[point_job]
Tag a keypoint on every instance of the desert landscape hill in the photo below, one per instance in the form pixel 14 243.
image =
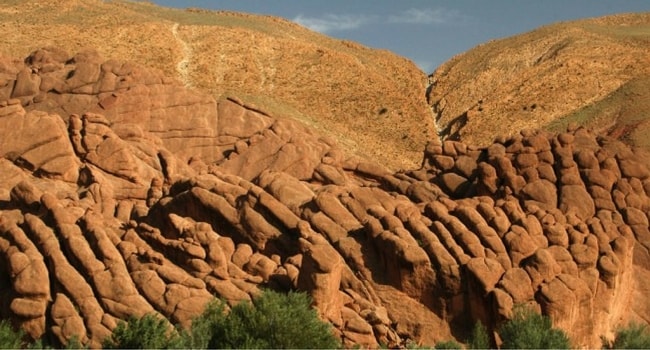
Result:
pixel 130 184
pixel 358 95
pixel 592 72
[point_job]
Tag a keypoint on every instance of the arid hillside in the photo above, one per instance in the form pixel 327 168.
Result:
pixel 593 72
pixel 371 100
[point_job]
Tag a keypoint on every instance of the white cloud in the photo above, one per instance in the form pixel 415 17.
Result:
pixel 426 16
pixel 333 22
pixel 340 22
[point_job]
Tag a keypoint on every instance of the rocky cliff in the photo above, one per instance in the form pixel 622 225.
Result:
pixel 592 72
pixel 372 101
pixel 122 193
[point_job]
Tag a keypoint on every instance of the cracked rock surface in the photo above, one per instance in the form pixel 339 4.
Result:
pixel 124 193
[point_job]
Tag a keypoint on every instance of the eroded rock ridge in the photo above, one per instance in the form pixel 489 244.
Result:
pixel 124 193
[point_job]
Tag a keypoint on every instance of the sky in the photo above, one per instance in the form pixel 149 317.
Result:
pixel 428 32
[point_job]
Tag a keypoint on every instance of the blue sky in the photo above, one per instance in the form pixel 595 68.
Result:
pixel 426 31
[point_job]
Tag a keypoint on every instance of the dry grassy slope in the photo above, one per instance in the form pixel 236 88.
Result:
pixel 371 100
pixel 539 78
pixel 624 114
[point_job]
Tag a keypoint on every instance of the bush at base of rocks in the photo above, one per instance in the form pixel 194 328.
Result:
pixel 147 332
pixel 16 339
pixel 273 320
pixel 10 338
pixel 449 344
pixel 634 336
pixel 479 338
pixel 530 330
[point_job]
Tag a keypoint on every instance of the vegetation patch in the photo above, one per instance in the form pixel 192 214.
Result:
pixel 633 336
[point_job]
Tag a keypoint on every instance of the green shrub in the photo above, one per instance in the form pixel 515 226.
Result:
pixel 10 338
pixel 75 343
pixel 530 330
pixel 147 332
pixel 634 336
pixel 448 345
pixel 275 320
pixel 479 338
pixel 411 345
pixel 204 326
pixel 39 344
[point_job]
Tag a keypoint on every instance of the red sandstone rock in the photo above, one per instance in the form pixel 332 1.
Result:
pixel 154 198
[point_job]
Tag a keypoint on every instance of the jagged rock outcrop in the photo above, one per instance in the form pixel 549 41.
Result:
pixel 121 219
pixel 541 220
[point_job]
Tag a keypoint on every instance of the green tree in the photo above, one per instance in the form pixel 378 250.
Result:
pixel 10 338
pixel 147 332
pixel 479 338
pixel 634 336
pixel 530 330
pixel 273 321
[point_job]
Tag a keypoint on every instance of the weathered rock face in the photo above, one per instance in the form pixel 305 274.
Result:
pixel 140 202
pixel 542 220
pixel 354 93
pixel 134 103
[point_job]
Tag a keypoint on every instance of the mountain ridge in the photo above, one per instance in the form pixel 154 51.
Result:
pixel 537 78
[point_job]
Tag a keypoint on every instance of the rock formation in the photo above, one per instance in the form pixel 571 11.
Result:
pixel 124 193
pixel 353 93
